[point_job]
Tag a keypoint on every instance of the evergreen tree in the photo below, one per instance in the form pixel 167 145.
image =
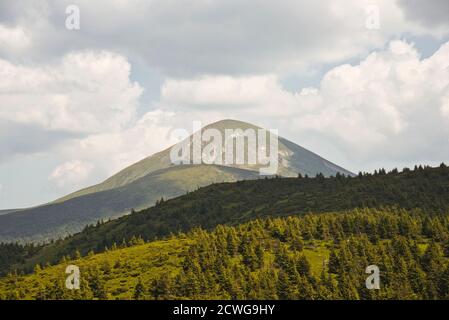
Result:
pixel 139 290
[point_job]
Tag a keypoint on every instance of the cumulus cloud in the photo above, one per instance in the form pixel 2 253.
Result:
pixel 222 91
pixel 219 36
pixel 110 152
pixel 49 108
pixel 85 92
pixel 14 38
pixel 71 173
pixel 392 105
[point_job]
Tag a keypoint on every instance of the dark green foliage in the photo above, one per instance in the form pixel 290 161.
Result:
pixel 260 259
pixel 13 254
pixel 139 290
pixel 212 271
pixel 234 203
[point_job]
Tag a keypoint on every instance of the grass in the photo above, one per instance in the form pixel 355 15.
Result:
pixel 122 268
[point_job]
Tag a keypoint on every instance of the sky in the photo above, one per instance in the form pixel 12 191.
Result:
pixel 365 84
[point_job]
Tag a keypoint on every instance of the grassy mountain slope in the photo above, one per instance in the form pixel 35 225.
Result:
pixel 297 257
pixel 238 202
pixel 61 219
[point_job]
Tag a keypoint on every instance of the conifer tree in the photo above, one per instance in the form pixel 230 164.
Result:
pixel 139 290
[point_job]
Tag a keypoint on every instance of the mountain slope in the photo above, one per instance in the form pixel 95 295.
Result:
pixel 64 218
pixel 2 212
pixel 143 183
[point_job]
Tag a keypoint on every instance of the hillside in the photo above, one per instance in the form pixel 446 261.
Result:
pixel 239 202
pixel 61 219
pixel 143 183
pixel 297 257
pixel 7 211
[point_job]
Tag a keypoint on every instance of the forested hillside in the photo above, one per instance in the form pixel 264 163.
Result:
pixel 298 257
pixel 234 203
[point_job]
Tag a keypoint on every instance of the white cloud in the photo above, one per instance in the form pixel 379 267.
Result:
pixel 84 102
pixel 110 152
pixel 445 105
pixel 217 91
pixel 86 92
pixel 14 38
pixel 221 36
pixel 392 105
pixel 72 173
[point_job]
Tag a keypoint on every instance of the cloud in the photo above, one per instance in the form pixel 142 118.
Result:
pixel 110 152
pixel 218 36
pixel 25 139
pixel 45 106
pixel 14 38
pixel 221 91
pixel 391 106
pixel 80 98
pixel 429 13
pixel 71 173
pixel 85 92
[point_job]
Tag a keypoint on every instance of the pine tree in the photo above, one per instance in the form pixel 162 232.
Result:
pixel 139 290
pixel 97 285
pixel 334 262
pixel 77 255
pixel 303 266
pixel 161 288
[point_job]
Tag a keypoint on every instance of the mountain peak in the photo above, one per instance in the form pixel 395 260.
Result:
pixel 293 159
pixel 230 124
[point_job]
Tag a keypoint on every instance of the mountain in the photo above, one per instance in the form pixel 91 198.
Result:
pixel 143 183
pixel 7 211
pixel 293 159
